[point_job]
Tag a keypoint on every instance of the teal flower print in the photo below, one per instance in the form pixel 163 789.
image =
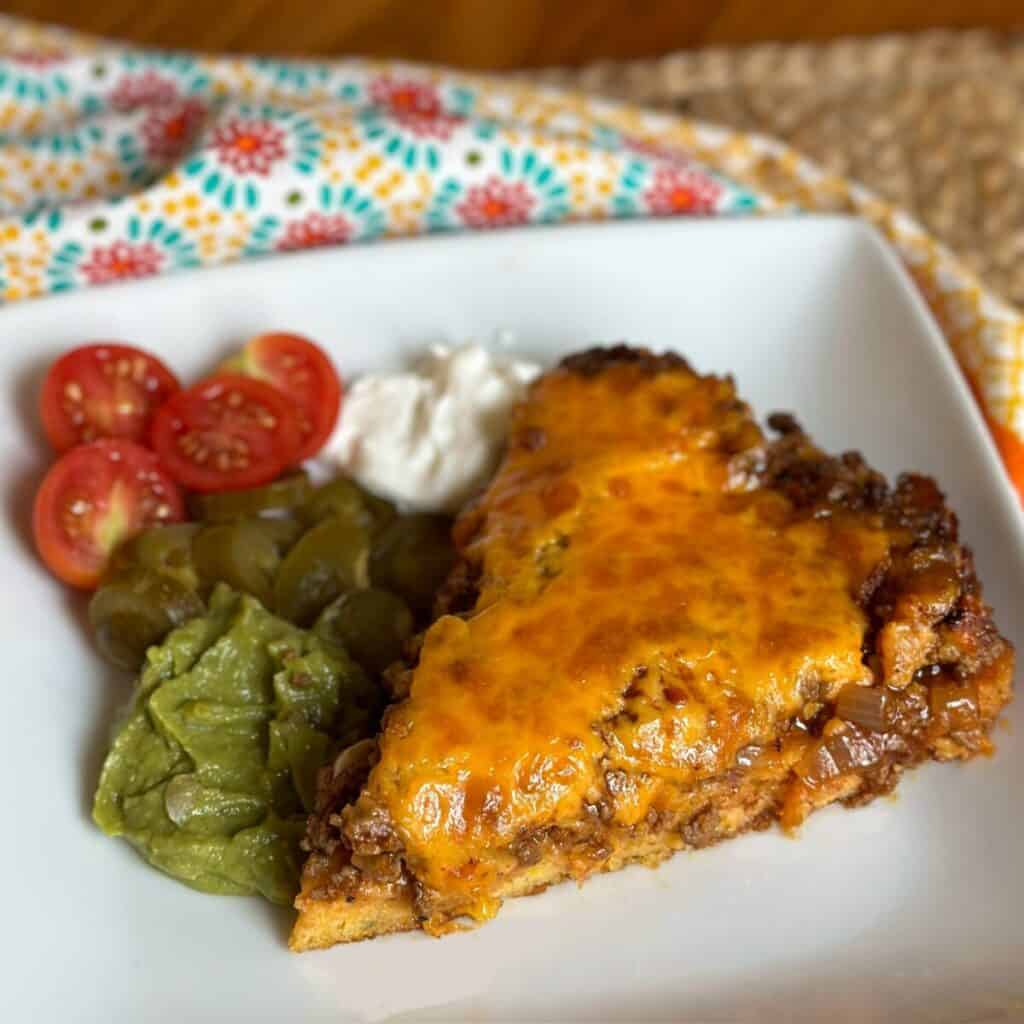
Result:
pixel 166 132
pixel 35 76
pixel 527 190
pixel 188 74
pixel 668 182
pixel 43 214
pixel 627 198
pixel 299 77
pixel 147 248
pixel 250 146
pixel 408 120
pixel 341 214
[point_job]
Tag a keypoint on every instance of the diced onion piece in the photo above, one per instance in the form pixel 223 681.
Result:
pixel 356 757
pixel 845 750
pixel 955 702
pixel 863 705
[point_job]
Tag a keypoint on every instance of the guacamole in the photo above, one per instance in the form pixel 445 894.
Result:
pixel 212 773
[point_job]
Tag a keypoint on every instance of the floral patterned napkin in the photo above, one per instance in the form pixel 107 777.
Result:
pixel 119 163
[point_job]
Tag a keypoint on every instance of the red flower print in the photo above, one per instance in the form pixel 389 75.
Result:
pixel 167 131
pixel 678 190
pixel 415 106
pixel 496 204
pixel 315 229
pixel 249 147
pixel 146 90
pixel 37 58
pixel 121 260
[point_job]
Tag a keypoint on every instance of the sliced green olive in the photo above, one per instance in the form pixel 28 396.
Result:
pixel 166 549
pixel 284 531
pixel 330 560
pixel 372 625
pixel 240 554
pixel 136 609
pixel 412 558
pixel 345 499
pixel 226 506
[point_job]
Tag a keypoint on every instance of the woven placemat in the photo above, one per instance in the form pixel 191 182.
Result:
pixel 933 122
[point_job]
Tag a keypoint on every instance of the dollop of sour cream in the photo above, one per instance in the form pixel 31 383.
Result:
pixel 430 437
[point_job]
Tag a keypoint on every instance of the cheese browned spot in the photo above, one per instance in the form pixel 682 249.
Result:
pixel 663 610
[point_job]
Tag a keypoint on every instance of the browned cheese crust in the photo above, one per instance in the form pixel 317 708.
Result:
pixel 928 675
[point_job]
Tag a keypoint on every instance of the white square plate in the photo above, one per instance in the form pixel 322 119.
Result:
pixel 909 909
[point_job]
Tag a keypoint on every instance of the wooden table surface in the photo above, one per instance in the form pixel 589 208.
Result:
pixel 502 33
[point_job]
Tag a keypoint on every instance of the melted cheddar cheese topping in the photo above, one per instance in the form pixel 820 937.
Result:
pixel 641 618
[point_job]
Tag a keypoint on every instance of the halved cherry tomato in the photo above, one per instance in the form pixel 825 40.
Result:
pixel 93 498
pixel 226 433
pixel 300 370
pixel 103 390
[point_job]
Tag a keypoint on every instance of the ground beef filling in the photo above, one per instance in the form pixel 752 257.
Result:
pixel 936 655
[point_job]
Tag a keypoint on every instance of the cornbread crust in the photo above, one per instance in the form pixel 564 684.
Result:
pixel 645 648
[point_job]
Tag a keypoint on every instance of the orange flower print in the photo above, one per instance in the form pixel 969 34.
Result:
pixel 315 229
pixel 681 190
pixel 416 106
pixel 167 131
pixel 496 204
pixel 121 260
pixel 249 146
pixel 146 90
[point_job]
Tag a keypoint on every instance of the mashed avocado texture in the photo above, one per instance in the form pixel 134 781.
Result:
pixel 212 773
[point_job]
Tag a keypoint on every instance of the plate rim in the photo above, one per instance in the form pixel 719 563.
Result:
pixel 860 232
